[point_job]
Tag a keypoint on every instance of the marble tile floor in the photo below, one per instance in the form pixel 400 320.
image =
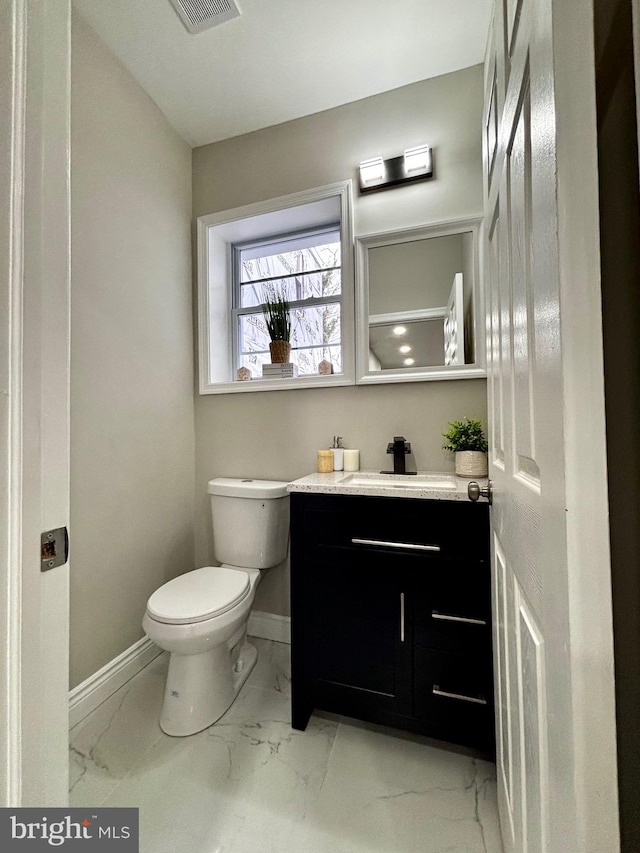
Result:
pixel 251 784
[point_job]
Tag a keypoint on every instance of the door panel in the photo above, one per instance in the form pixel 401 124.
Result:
pixel 522 297
pixel 540 736
pixel 494 354
pixel 511 769
pixel 503 700
pixel 491 122
pixel 532 688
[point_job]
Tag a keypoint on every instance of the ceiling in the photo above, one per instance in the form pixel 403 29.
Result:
pixel 425 339
pixel 283 59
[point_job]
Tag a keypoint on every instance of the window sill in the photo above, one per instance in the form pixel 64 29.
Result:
pixel 298 382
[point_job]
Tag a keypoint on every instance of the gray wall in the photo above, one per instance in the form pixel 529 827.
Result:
pixel 131 359
pixel 409 276
pixel 276 434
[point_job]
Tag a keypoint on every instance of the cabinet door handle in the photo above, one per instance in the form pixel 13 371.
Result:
pixel 402 617
pixel 382 544
pixel 478 700
pixel 446 618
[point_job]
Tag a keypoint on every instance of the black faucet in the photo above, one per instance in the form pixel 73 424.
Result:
pixel 399 447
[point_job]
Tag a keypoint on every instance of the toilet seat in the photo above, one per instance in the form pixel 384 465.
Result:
pixel 199 595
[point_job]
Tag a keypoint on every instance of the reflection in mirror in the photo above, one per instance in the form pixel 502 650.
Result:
pixel 414 284
pixel 422 344
pixel 417 303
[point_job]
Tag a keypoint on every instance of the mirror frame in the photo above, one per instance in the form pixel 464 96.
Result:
pixel 364 376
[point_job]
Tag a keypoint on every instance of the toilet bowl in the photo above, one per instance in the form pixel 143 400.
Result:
pixel 201 617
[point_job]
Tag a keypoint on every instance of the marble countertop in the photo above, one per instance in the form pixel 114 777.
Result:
pixel 427 485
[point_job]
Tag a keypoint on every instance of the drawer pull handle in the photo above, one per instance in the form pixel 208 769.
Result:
pixel 446 618
pixel 402 617
pixel 380 543
pixel 475 699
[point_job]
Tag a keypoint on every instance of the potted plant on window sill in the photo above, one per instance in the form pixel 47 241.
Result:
pixel 466 439
pixel 277 316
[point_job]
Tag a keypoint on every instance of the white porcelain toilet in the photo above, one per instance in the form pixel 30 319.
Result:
pixel 201 616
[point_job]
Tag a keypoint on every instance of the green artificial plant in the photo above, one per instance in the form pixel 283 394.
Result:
pixel 277 316
pixel 466 434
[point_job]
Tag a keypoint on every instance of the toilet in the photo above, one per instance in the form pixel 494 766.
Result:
pixel 201 617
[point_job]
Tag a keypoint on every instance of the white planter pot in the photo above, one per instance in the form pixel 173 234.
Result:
pixel 471 463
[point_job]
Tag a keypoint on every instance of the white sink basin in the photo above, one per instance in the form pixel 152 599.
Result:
pixel 403 481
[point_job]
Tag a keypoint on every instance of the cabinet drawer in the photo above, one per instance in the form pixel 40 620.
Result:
pixel 391 525
pixel 452 606
pixel 451 632
pixel 454 694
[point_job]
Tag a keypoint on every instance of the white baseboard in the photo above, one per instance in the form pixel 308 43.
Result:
pixel 269 626
pixel 86 697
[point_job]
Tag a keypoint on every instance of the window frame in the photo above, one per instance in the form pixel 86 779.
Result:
pixel 237 284
pixel 217 234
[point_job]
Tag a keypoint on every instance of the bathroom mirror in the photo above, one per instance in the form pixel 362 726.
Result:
pixel 419 304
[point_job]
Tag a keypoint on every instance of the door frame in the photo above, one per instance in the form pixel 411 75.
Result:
pixel 586 485
pixel 35 284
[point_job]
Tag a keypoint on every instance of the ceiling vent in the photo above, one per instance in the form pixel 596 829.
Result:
pixel 199 15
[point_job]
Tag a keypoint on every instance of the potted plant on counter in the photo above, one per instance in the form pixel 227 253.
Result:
pixel 277 316
pixel 466 439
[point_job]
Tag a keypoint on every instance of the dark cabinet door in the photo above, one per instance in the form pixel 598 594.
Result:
pixel 359 637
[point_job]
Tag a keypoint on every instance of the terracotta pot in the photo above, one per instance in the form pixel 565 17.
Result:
pixel 471 463
pixel 280 352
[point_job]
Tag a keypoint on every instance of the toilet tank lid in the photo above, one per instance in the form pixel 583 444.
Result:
pixel 248 488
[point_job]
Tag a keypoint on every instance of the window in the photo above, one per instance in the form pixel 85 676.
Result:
pixel 305 270
pixel 300 247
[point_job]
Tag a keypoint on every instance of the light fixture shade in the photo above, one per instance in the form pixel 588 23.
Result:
pixel 417 160
pixel 371 171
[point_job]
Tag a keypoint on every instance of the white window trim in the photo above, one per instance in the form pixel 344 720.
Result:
pixel 214 314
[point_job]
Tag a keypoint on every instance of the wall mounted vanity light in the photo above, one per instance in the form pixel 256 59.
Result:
pixel 416 164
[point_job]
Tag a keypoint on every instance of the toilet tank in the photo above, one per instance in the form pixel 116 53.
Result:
pixel 250 521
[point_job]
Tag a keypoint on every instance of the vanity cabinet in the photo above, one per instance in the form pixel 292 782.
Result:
pixel 391 614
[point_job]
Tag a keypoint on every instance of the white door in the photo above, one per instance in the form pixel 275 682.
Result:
pixel 34 397
pixel 454 323
pixel 552 598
